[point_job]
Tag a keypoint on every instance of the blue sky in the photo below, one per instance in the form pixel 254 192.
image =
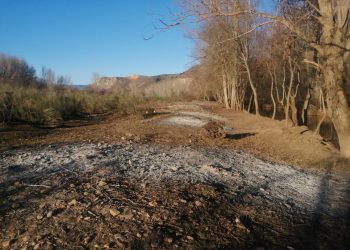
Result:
pixel 79 37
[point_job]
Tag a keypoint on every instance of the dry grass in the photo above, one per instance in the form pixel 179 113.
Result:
pixel 51 106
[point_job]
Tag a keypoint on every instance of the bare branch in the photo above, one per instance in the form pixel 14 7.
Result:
pixel 247 32
pixel 312 63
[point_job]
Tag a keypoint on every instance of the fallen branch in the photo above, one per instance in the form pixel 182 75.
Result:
pixel 33 185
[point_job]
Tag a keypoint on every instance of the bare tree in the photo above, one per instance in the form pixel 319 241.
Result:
pixel 48 76
pixel 16 71
pixel 331 42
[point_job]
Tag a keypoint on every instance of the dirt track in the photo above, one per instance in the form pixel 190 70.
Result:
pixel 141 196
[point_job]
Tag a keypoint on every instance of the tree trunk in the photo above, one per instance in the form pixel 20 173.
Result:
pixel 294 111
pixel 250 103
pixel 224 86
pixel 234 95
pixel 338 108
pixel 334 44
pixel 252 86
pixel 305 107
pixel 273 97
pixel 288 99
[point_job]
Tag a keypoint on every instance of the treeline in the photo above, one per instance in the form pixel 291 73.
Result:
pixel 18 72
pixel 288 62
pixel 49 100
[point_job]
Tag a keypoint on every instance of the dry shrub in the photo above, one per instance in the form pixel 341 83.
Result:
pixel 51 106
pixel 214 129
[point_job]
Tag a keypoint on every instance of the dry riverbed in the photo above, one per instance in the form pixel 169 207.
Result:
pixel 143 194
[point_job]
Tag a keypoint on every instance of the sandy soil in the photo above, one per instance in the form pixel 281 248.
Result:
pixel 133 183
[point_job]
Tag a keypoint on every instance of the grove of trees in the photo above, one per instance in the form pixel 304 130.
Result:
pixel 297 57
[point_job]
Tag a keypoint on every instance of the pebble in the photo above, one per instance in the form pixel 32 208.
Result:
pixel 6 244
pixel 102 183
pixel 39 217
pixel 114 212
pixel 152 203
pixel 198 203
pixel 73 202
pixel 168 240
pixel 189 237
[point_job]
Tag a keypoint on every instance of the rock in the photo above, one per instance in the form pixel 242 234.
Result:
pixel 127 214
pixel 39 217
pixel 169 240
pixel 102 183
pixel 145 215
pixel 198 203
pixel 88 239
pixel 6 244
pixel 189 237
pixel 73 202
pixel 114 212
pixel 49 214
pixel 138 235
pixel 183 201
pixel 25 238
pixel 120 238
pixel 72 185
pixel 152 203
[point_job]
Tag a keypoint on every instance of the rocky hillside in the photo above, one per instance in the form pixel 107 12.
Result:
pixel 160 85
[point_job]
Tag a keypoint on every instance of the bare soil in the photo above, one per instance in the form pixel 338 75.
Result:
pixel 160 183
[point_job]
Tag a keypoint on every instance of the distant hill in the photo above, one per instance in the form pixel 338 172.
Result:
pixel 161 85
pixel 79 86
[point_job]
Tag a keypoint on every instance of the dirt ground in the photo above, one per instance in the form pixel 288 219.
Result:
pixel 260 136
pixel 159 181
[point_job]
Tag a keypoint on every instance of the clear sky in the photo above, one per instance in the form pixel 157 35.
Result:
pixel 80 37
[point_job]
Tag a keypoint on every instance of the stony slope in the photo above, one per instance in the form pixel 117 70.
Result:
pixel 161 85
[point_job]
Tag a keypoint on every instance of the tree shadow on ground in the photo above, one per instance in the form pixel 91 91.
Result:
pixel 239 136
pixel 330 223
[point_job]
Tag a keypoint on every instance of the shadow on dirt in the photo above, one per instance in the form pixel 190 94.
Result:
pixel 239 136
pixel 330 223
